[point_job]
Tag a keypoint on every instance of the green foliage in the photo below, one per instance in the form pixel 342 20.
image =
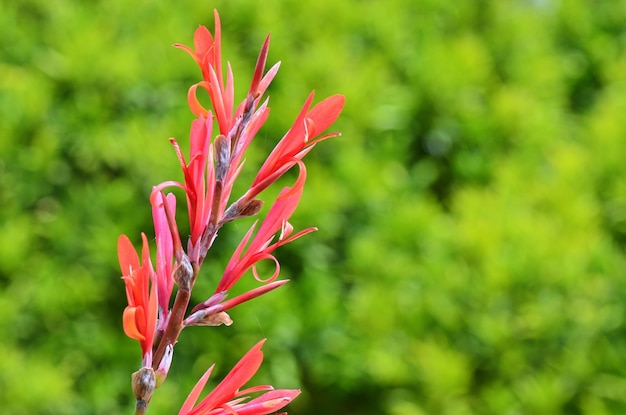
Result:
pixel 472 216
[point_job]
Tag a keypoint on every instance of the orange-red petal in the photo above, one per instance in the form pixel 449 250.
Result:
pixel 129 319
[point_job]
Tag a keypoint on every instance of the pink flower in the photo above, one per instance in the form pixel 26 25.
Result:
pixel 238 128
pixel 228 399
pixel 214 165
pixel 199 185
pixel 164 249
pixel 207 55
pixel 298 141
pixel 140 316
pixel 261 248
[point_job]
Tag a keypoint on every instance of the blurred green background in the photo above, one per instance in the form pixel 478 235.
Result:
pixel 470 258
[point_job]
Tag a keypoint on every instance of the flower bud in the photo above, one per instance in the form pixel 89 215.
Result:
pixel 216 320
pixel 164 366
pixel 251 208
pixel 207 317
pixel 183 274
pixel 236 211
pixel 144 382
pixel 222 155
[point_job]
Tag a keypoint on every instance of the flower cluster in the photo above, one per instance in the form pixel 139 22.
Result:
pixel 209 173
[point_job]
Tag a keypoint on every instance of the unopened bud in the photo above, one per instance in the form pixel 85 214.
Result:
pixel 249 209
pixel 222 153
pixel 164 366
pixel 144 382
pixel 183 274
pixel 206 318
pixel 217 320
pixel 248 108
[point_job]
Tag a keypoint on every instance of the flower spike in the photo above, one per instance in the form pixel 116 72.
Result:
pixel 219 138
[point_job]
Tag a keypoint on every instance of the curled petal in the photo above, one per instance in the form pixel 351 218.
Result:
pixel 194 104
pixel 188 50
pixel 129 320
pixel 276 269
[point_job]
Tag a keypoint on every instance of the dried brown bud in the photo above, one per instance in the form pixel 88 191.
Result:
pixel 222 155
pixel 183 274
pixel 144 382
pixel 200 318
pixel 251 208
pixel 217 320
pixel 235 211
